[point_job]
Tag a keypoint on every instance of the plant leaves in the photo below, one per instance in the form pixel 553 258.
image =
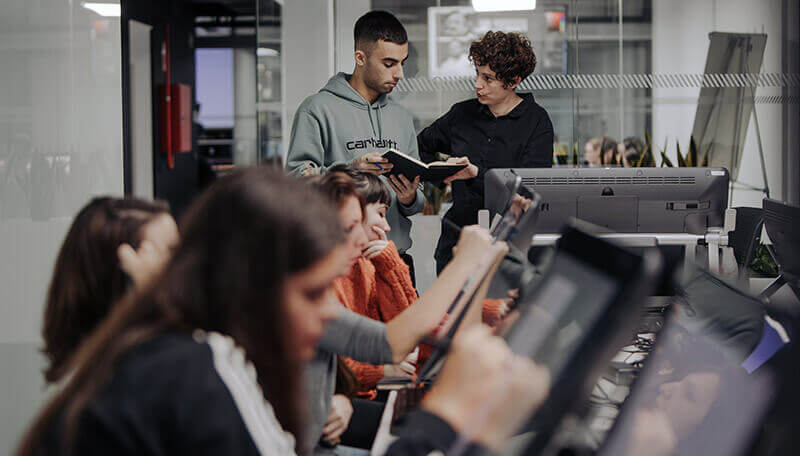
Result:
pixel 681 161
pixel 647 153
pixel 575 153
pixel 763 263
pixel 691 158
pixel 664 154
pixel 665 160
pixel 705 157
pixel 641 159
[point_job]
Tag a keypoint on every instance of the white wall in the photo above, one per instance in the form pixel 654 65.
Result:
pixel 307 57
pixel 60 142
pixel 347 13
pixel 141 110
pixel 244 94
pixel 680 45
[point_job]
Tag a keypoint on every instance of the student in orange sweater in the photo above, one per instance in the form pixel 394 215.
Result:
pixel 379 285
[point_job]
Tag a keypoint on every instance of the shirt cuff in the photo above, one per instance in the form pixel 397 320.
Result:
pixel 417 206
pixel 388 259
pixel 491 312
pixel 429 433
pixel 481 172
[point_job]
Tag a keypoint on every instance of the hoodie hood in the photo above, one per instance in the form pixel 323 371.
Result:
pixel 339 87
pixel 337 125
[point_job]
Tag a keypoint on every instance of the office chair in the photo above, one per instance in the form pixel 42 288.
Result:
pixel 782 223
pixel 745 238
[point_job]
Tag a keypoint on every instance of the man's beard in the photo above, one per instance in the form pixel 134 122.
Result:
pixel 379 86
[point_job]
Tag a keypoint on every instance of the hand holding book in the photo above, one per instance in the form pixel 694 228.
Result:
pixel 372 162
pixel 406 190
pixel 411 167
pixel 469 172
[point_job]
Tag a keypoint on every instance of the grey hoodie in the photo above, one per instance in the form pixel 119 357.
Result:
pixel 337 125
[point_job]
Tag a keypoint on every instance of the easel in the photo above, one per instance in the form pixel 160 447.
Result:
pixel 713 122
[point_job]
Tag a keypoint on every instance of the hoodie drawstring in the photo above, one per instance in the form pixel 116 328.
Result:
pixel 371 122
pixel 377 108
pixel 380 124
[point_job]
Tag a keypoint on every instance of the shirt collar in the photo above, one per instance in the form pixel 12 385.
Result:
pixel 518 110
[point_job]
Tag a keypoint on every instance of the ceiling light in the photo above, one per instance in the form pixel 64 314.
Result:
pixel 103 9
pixel 266 52
pixel 503 5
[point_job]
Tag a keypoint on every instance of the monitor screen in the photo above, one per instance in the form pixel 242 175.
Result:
pixel 577 316
pixel 558 315
pixel 689 399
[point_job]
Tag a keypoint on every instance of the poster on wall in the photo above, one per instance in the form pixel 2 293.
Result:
pixel 451 29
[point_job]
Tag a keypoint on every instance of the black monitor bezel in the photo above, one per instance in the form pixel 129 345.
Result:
pixel 635 274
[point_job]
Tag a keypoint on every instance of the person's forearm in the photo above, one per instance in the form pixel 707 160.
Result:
pixel 407 329
pixel 421 318
pixel 474 315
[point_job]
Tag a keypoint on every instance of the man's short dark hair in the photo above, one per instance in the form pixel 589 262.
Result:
pixel 509 55
pixel 378 25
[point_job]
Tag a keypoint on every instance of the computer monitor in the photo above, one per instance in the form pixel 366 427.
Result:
pixel 623 200
pixel 498 187
pixel 577 316
pixel 689 399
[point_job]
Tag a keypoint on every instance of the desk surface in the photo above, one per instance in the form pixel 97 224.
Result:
pixel 633 239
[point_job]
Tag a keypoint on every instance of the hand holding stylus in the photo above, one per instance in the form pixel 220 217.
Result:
pixel 372 162
pixel 484 390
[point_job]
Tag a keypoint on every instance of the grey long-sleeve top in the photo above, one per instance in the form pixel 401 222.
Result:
pixel 351 335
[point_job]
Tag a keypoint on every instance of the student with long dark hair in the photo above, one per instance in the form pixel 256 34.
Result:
pixel 207 358
pixel 159 377
pixel 113 244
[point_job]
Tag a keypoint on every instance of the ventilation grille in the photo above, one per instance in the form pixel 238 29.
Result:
pixel 651 180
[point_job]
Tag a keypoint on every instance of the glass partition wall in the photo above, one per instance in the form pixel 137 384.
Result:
pixel 612 69
pixel 269 95
pixel 60 144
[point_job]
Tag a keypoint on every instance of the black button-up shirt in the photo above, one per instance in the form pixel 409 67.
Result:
pixel 523 138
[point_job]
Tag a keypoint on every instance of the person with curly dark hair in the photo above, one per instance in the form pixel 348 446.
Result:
pixel 500 128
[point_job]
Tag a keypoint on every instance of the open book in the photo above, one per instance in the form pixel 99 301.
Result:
pixel 411 167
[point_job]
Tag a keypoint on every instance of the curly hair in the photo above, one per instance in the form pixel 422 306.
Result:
pixel 509 55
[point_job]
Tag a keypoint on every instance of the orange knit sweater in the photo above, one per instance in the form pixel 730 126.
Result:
pixel 380 289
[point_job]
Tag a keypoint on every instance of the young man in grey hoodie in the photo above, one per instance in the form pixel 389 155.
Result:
pixel 353 121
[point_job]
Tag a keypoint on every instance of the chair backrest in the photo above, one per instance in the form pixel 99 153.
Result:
pixel 746 236
pixel 782 223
